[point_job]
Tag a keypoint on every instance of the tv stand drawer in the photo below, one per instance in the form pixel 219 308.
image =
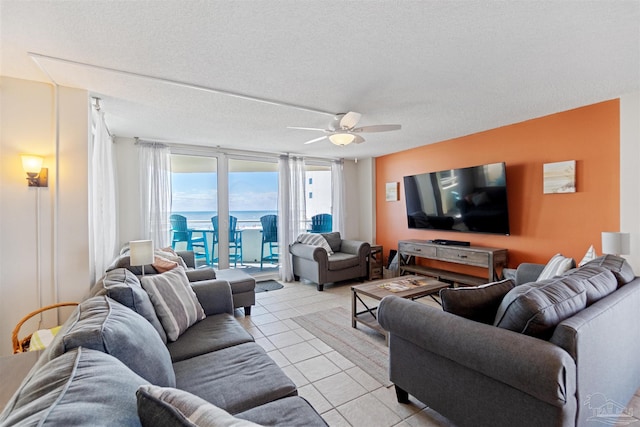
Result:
pixel 461 256
pixel 418 250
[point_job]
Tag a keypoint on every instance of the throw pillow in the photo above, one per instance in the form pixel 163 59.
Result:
pixel 315 240
pixel 536 308
pixel 162 264
pixel 175 302
pixel 556 266
pixel 170 407
pixel 478 303
pixel 617 265
pixel 589 256
pixel 171 255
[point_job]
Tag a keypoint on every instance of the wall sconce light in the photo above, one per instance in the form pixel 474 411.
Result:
pixel 141 253
pixel 37 176
pixel 615 243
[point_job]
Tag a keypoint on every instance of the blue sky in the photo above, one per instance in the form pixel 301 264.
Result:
pixel 248 191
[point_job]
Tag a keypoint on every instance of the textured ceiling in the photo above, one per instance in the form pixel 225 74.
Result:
pixel 442 69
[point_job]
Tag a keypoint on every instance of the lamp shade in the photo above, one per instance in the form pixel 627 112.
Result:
pixel 342 138
pixel 31 164
pixel 141 252
pixel 616 243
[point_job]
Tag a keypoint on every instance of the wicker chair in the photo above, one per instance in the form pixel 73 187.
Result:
pixel 22 345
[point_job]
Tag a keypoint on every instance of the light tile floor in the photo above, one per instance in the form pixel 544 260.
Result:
pixel 340 391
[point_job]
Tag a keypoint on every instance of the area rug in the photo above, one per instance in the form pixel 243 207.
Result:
pixel 268 285
pixel 364 347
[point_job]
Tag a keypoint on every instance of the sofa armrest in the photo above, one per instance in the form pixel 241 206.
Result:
pixel 528 272
pixel 310 252
pixel 529 364
pixel 214 296
pixel 188 257
pixel 201 274
pixel 355 247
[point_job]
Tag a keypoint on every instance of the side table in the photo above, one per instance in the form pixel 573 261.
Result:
pixel 375 262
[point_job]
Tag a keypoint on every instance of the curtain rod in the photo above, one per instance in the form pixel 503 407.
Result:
pixel 225 150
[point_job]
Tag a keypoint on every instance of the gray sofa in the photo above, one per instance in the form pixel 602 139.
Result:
pixel 479 374
pixel 110 361
pixel 242 285
pixel 349 260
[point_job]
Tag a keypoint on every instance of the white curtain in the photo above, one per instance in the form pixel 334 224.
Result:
pixel 102 198
pixel 291 209
pixel 337 197
pixel 155 192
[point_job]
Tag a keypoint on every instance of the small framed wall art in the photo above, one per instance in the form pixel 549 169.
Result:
pixel 391 193
pixel 559 177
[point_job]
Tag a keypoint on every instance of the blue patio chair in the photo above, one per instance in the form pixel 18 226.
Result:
pixel 269 238
pixel 321 223
pixel 235 241
pixel 182 233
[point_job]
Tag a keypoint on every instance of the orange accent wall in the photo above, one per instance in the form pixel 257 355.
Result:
pixel 541 224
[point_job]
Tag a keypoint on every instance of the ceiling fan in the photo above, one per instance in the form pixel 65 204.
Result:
pixel 343 130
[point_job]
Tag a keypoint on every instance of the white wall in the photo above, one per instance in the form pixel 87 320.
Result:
pixel 630 174
pixel 28 125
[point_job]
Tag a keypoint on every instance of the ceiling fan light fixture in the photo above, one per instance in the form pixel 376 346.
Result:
pixel 342 138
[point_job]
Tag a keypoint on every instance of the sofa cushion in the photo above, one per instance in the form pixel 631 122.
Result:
pixel 123 286
pixel 617 265
pixel 81 387
pixel 175 302
pixel 341 260
pixel 556 266
pixel 211 334
pixel 479 303
pixel 244 377
pixel 334 240
pixel 536 308
pixel 103 324
pixel 170 407
pixel 315 239
pixel 598 281
pixel 286 412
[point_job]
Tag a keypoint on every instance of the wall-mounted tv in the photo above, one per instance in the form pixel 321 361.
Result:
pixel 472 199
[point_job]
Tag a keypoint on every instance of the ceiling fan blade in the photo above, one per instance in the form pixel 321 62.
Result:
pixel 315 140
pixel 303 128
pixel 349 120
pixel 377 128
pixel 358 140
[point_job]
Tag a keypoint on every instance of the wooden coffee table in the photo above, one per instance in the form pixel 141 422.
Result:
pixel 416 287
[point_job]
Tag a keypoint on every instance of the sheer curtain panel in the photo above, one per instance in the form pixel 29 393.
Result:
pixel 155 192
pixel 291 209
pixel 337 196
pixel 102 199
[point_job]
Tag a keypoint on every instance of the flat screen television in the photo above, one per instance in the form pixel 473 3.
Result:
pixel 472 199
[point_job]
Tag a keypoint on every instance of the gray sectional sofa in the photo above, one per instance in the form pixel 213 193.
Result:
pixel 112 364
pixel 560 352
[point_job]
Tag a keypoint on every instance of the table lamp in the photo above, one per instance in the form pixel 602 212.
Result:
pixel 616 243
pixel 141 253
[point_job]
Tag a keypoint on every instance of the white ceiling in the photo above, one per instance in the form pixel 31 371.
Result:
pixel 442 69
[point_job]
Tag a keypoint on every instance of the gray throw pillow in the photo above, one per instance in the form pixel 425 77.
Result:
pixel 536 308
pixel 170 407
pixel 175 302
pixel 103 324
pixel 80 388
pixel 479 303
pixel 334 240
pixel 123 286
pixel 617 265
